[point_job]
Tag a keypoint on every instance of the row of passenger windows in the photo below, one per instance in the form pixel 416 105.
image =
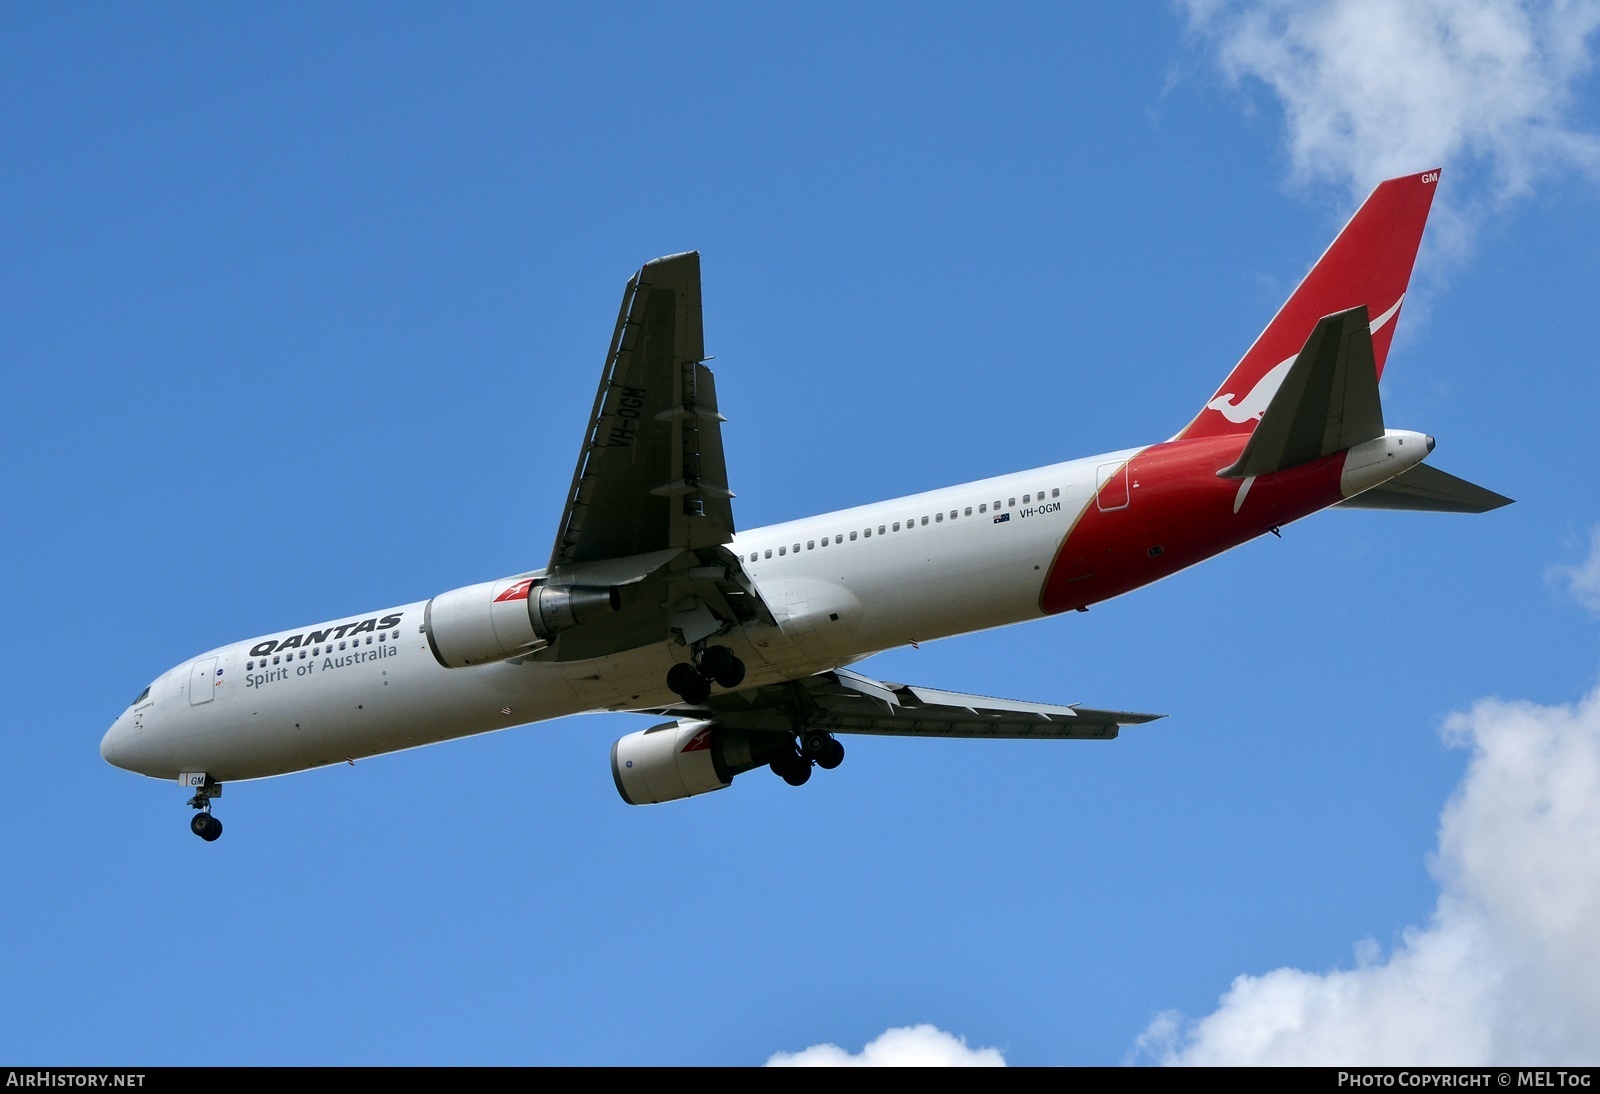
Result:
pixel 316 651
pixel 883 530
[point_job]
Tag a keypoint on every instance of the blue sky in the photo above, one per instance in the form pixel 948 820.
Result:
pixel 302 310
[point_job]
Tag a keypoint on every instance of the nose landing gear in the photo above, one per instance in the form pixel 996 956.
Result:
pixel 203 824
pixel 692 683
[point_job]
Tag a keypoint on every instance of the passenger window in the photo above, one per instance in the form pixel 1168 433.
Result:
pixel 248 666
pixel 783 550
pixel 952 514
pixel 880 529
pixel 303 652
pixel 796 548
pixel 896 526
pixel 868 533
pixel 369 642
pixel 852 537
pixel 395 636
pixel 938 518
pixel 1055 492
pixel 383 637
pixel 1011 501
pixel 275 660
pixel 341 645
pixel 769 552
pixel 997 503
pixel 984 508
pixel 924 521
pixel 968 510
pixel 1025 498
pixel 811 545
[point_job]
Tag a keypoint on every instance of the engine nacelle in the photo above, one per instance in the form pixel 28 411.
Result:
pixel 681 759
pixel 495 620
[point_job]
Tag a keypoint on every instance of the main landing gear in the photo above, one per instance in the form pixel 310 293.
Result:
pixel 815 747
pixel 692 683
pixel 203 823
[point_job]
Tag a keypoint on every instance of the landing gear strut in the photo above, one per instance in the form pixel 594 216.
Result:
pixel 688 684
pixel 815 747
pixel 719 664
pixel 822 747
pixel 791 767
pixel 203 824
pixel 692 683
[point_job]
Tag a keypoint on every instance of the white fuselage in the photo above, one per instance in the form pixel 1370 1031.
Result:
pixel 841 586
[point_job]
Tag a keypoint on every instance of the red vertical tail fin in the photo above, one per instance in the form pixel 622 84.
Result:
pixel 1369 263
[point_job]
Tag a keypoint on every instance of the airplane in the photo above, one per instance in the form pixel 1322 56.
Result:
pixel 654 602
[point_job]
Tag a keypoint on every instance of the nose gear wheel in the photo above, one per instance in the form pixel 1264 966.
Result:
pixel 203 824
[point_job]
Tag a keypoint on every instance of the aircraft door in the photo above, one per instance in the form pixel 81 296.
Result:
pixel 1111 481
pixel 202 681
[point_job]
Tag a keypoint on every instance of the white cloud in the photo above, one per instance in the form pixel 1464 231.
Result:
pixel 1376 88
pixel 1508 969
pixel 906 1046
pixel 1583 580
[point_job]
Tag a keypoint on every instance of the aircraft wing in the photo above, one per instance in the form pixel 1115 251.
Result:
pixel 649 510
pixel 651 474
pixel 842 701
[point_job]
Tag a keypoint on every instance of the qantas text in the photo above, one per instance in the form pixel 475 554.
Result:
pixel 333 633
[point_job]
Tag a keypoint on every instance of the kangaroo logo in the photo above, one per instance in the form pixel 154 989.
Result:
pixel 519 591
pixel 1253 405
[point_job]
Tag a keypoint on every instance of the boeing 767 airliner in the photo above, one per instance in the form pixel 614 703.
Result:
pixel 653 602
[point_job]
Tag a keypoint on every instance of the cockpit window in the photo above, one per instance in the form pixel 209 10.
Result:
pixel 143 695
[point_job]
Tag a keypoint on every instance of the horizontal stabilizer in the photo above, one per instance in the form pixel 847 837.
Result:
pixel 1428 489
pixel 1326 403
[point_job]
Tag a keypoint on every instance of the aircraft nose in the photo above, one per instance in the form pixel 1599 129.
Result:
pixel 115 745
